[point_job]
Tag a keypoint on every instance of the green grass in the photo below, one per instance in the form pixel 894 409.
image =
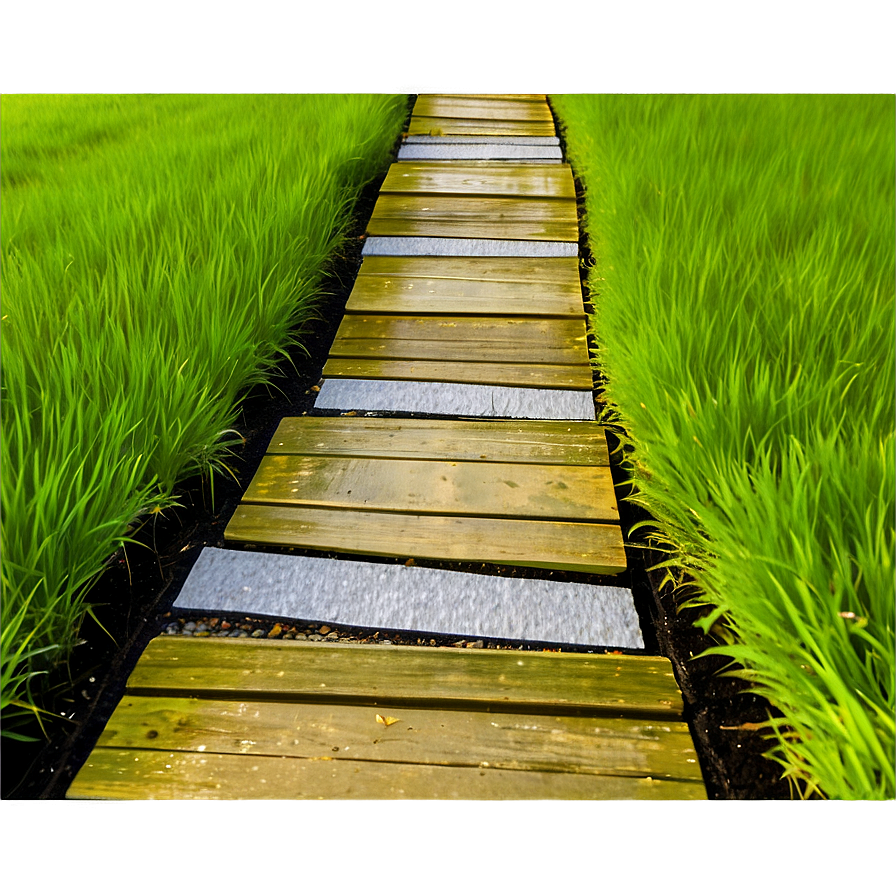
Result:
pixel 744 312
pixel 157 254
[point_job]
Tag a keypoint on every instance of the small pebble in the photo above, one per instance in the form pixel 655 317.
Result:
pixel 385 642
pixel 202 627
pixel 315 638
pixel 275 631
pixel 333 636
pixel 258 633
pixel 325 629
pixel 225 625
pixel 289 636
pixel 476 644
pixel 190 627
pixel 172 629
pixel 301 636
pixel 242 634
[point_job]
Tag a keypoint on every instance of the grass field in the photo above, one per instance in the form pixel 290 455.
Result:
pixel 744 311
pixel 156 253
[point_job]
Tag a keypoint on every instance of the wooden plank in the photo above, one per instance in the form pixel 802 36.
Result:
pixel 506 441
pixel 639 687
pixel 563 273
pixel 463 488
pixel 149 774
pixel 436 106
pixel 578 547
pixel 450 127
pixel 398 214
pixel 522 333
pixel 573 744
pixel 373 294
pixel 521 97
pixel 538 341
pixel 530 376
pixel 490 179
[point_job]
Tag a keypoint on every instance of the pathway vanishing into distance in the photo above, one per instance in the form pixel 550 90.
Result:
pixel 468 308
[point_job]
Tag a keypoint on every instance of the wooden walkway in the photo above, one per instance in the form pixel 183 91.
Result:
pixel 237 719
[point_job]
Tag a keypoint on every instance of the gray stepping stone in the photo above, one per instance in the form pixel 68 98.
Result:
pixel 477 151
pixel 468 248
pixel 397 597
pixel 507 141
pixel 459 399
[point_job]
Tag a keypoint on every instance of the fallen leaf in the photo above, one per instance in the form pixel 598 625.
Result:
pixel 387 721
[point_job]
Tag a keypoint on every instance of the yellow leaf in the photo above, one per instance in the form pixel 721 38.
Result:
pixel 387 721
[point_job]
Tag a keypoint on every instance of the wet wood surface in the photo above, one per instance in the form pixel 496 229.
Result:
pixel 533 441
pixel 241 719
pixel 399 214
pixel 450 127
pixel 481 179
pixel 468 488
pixel 125 774
pixel 640 687
pixel 560 272
pixel 415 296
pixel 467 107
pixel 461 339
pixel 579 547
pixel 484 373
pixel 590 745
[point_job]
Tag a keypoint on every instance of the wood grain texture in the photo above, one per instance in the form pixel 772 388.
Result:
pixel 641 687
pixel 373 294
pixel 559 273
pixel 460 339
pixel 141 774
pixel 576 744
pixel 530 376
pixel 436 106
pixel 464 488
pixel 399 214
pixel 488 179
pixel 458 127
pixel 579 547
pixel 506 441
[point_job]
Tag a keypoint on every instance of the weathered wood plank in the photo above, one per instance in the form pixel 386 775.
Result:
pixel 521 97
pixel 144 774
pixel 579 547
pixel 411 295
pixel 523 333
pixel 538 341
pixel 443 106
pixel 560 273
pixel 449 127
pixel 399 214
pixel 574 744
pixel 490 179
pixel 464 488
pixel 506 441
pixel 640 687
pixel 530 376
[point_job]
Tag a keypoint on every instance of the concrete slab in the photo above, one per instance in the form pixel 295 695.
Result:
pixel 468 248
pixel 478 151
pixel 397 597
pixel 460 140
pixel 458 399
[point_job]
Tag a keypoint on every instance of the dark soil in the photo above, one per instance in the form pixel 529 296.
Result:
pixel 134 599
